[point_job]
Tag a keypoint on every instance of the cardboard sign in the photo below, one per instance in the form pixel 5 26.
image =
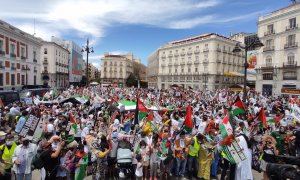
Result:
pixel 29 127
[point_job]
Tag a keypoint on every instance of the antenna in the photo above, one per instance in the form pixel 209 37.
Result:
pixel 34 27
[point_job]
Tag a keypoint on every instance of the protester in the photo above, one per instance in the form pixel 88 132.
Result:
pixel 7 151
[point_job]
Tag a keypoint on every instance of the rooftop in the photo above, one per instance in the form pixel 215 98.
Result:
pixel 280 11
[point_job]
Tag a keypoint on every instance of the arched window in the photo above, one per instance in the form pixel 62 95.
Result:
pixel 291 59
pixel 269 61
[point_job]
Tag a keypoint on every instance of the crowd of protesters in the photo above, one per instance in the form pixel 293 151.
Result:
pixel 80 139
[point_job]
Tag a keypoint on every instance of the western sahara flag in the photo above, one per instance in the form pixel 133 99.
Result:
pixel 262 117
pixel 140 112
pixel 188 123
pixel 225 127
pixel 238 107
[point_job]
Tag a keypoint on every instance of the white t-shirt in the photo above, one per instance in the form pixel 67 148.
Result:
pixel 139 170
pixel 50 128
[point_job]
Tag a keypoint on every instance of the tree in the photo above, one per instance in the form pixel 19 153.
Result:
pixel 83 80
pixel 131 80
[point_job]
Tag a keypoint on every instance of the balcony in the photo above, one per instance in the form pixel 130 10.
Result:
pixel 163 56
pixel 268 48
pixel 267 66
pixel 206 50
pixel 196 62
pixel 35 60
pixel 289 78
pixel 175 63
pixel 45 72
pixel 45 62
pixel 2 53
pixel 218 49
pixel 189 62
pixel 182 63
pixel 197 51
pixel 205 61
pixel 190 52
pixel 289 64
pixel 291 45
pixel 270 32
pixel 170 64
pixel 170 55
pixel 23 58
pixel 219 61
pixel 163 65
pixel 35 71
pixel 182 54
pixel 224 51
pixel 176 54
pixel 288 28
pixel 12 55
pixel 1 66
pixel 229 62
pixel 13 68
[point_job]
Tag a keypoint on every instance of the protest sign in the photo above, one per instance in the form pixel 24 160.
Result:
pixel 29 127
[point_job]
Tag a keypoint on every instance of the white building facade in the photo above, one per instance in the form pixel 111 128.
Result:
pixel 199 62
pixel 152 69
pixel 55 64
pixel 75 59
pixel 278 62
pixel 20 61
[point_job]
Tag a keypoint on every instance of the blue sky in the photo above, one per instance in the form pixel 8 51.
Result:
pixel 134 26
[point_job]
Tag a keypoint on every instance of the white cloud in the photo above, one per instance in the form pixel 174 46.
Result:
pixel 91 18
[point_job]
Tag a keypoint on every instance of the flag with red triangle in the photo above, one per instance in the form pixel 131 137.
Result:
pixel 262 117
pixel 237 107
pixel 188 122
pixel 140 112
pixel 225 127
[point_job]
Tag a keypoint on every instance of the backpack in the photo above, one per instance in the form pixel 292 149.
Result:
pixel 37 162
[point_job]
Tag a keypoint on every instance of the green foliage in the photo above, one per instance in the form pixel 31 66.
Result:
pixel 131 81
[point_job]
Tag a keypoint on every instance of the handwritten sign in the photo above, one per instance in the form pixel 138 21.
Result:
pixel 29 127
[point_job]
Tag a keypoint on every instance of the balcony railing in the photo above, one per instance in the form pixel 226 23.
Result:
pixel 176 54
pixel 205 61
pixel 190 52
pixel 2 52
pixel 289 64
pixel 206 50
pixel 196 62
pixel 268 48
pixel 219 61
pixel 35 71
pixel 218 49
pixel 170 64
pixel 182 63
pixel 45 72
pixel 170 55
pixel 270 32
pixel 163 65
pixel 288 28
pixel 197 51
pixel 176 63
pixel 224 51
pixel 182 53
pixel 13 68
pixel 289 78
pixel 163 56
pixel 35 60
pixel 13 55
pixel 189 62
pixel 291 45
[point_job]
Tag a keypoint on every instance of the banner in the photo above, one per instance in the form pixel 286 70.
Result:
pixel 234 153
pixel 28 130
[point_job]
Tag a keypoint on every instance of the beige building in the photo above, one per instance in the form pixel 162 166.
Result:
pixel 55 64
pixel 277 67
pixel 198 62
pixel 20 60
pixel 152 70
pixel 115 69
pixel 92 72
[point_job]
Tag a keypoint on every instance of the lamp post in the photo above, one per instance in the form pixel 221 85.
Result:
pixel 256 44
pixel 88 50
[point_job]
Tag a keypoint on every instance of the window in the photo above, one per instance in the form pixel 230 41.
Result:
pixel 270 28
pixel 22 52
pixel 56 52
pixel 197 58
pixel 12 79
pixel 269 61
pixel 104 69
pixel 182 70
pixel 23 79
pixel 170 71
pixel 12 48
pixel 45 51
pixel 290 75
pixel 175 70
pixel 291 39
pixel 189 69
pixel 196 69
pixel 34 54
pixel 268 76
pixel 292 23
pixel 291 59
pixel 34 80
pixel 269 43
pixel 1 79
pixel 105 63
pixel 1 45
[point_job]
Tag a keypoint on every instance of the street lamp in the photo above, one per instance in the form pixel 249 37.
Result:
pixel 88 50
pixel 256 44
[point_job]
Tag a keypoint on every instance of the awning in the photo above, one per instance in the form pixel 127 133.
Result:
pixel 233 74
pixel 289 83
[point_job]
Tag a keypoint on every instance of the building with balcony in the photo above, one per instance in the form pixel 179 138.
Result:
pixel 152 70
pixel 75 59
pixel 277 67
pixel 198 62
pixel 19 58
pixel 55 64
pixel 115 69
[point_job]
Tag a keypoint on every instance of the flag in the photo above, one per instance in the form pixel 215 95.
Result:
pixel 71 119
pixel 150 116
pixel 269 121
pixel 36 100
pixel 225 127
pixel 262 117
pixel 55 92
pixel 140 112
pixel 188 122
pixel 73 123
pixel 80 172
pixel 227 141
pixel 157 117
pixel 238 107
pixel 1 103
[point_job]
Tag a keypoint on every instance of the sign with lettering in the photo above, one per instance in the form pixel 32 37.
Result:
pixel 29 127
pixel 290 91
